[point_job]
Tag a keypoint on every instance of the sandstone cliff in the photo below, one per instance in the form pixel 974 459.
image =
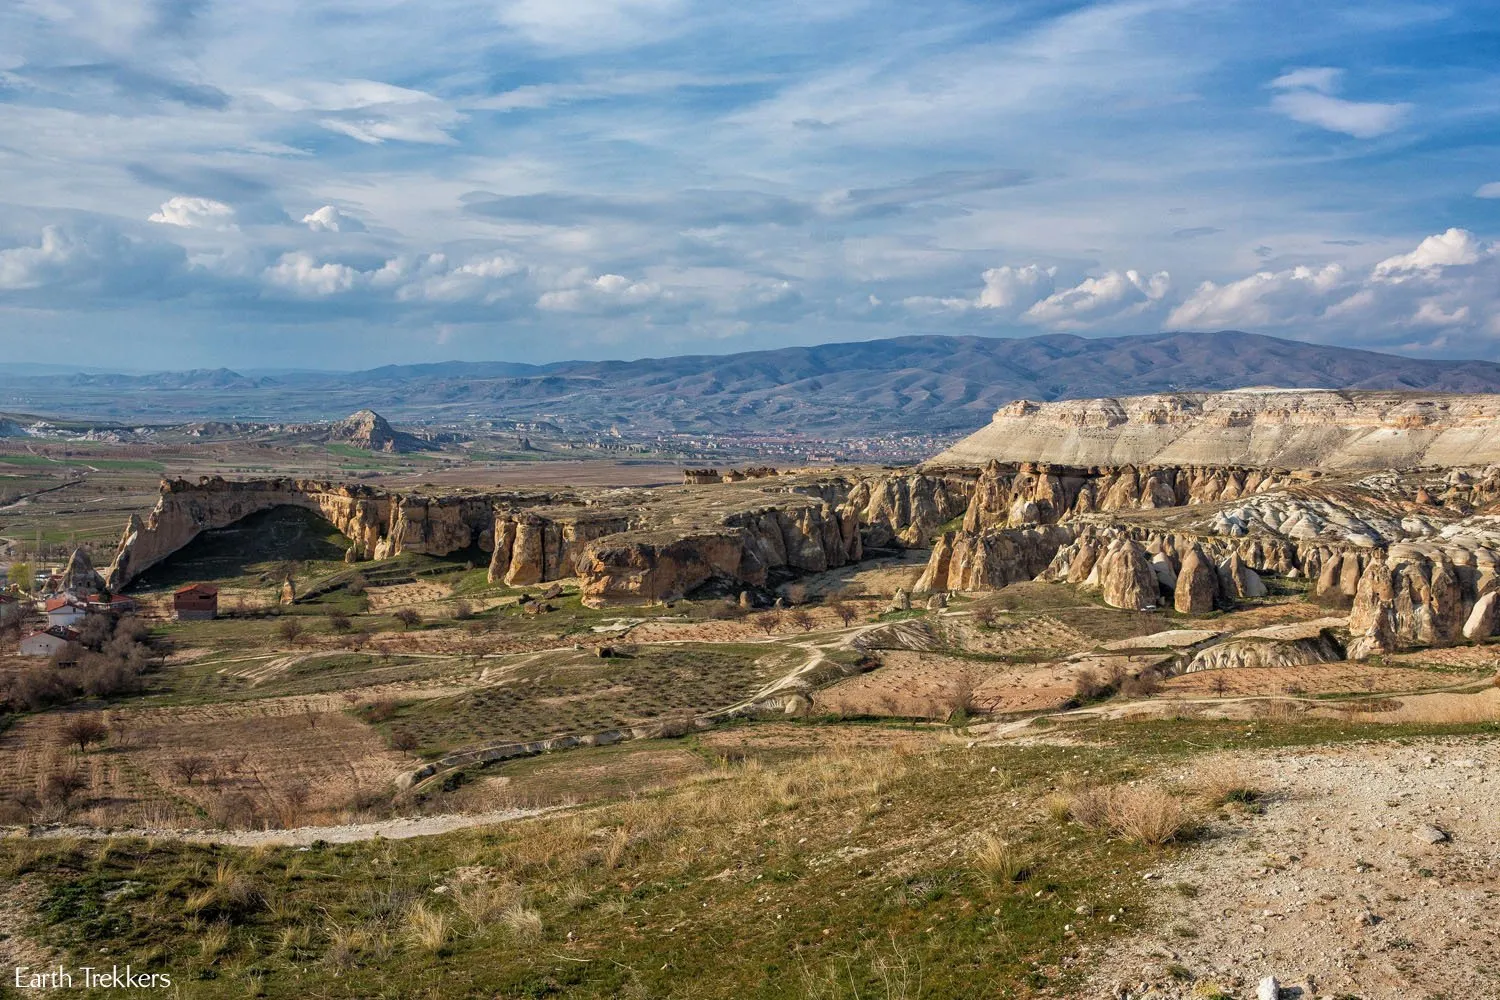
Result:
pixel 1268 428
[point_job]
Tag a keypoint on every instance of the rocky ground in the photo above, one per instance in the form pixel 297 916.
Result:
pixel 1337 888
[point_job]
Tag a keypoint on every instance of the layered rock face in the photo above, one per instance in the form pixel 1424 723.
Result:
pixel 909 510
pixel 1297 429
pixel 637 567
pixel 378 524
pixel 994 549
pixel 624 545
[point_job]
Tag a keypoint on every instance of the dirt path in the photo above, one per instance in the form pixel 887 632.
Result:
pixel 1333 889
pixel 401 828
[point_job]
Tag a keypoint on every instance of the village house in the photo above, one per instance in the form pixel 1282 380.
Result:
pixel 195 602
pixel 110 604
pixel 48 642
pixel 65 610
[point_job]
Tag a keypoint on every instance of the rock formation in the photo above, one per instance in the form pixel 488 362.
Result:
pixel 369 430
pixel 79 575
pixel 1294 645
pixel 1265 428
pixel 1197 587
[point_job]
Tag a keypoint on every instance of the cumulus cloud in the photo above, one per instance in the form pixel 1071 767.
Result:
pixel 1029 294
pixel 608 293
pixel 1456 246
pixel 195 213
pixel 1490 190
pixel 92 259
pixel 330 220
pixel 1114 294
pixel 1450 281
pixel 302 275
pixel 1262 299
pixel 1008 287
pixel 1308 96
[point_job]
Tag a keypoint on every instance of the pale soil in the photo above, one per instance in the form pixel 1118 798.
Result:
pixel 1312 679
pixel 910 683
pixel 345 833
pixel 1034 632
pixel 1281 893
pixel 19 900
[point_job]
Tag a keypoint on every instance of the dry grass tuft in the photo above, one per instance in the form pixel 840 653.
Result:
pixel 427 929
pixel 998 861
pixel 484 903
pixel 1147 813
pixel 524 923
pixel 1221 781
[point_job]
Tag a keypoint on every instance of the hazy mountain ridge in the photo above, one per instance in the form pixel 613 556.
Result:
pixel 919 383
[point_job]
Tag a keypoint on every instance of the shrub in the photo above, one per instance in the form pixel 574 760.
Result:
pixel 290 629
pixel 404 740
pixel 463 611
pixel 82 730
pixel 1222 781
pixel 340 622
pixel 357 585
pixel 1147 813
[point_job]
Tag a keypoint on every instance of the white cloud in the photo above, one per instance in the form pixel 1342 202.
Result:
pixel 1454 247
pixel 1011 287
pixel 1263 299
pixel 195 213
pixel 1113 294
pixel 368 110
pixel 300 274
pixel 32 267
pixel 330 220
pixel 1307 96
pixel 1490 190
pixel 1449 282
pixel 92 259
pixel 606 293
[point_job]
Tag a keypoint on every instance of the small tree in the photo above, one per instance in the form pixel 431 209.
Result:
pixel 984 614
pixel 404 740
pixel 1219 684
pixel 847 612
pixel 20 575
pixel 802 620
pixel 339 622
pixel 409 618
pixel 81 730
pixel 768 622
pixel 290 628
pixel 186 767
pixel 463 611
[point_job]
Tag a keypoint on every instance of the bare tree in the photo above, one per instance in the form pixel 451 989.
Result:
pixel 768 622
pixel 404 740
pixel 984 614
pixel 186 767
pixel 847 612
pixel 83 730
pixel 802 619
pixel 339 621
pixel 290 629
pixel 463 611
pixel 409 618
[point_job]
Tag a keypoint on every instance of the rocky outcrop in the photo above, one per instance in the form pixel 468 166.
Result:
pixel 79 575
pixel 378 524
pixel 1412 596
pixel 1124 577
pixel 990 560
pixel 536 547
pixel 908 510
pixel 369 430
pixel 1236 580
pixel 1197 589
pixel 1480 624
pixel 1295 645
pixel 1297 429
pixel 642 567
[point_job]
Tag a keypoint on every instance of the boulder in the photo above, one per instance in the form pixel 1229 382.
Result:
pixel 1126 579
pixel 901 601
pixel 1481 621
pixel 1197 584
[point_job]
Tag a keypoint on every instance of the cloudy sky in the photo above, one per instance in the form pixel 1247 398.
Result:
pixel 342 184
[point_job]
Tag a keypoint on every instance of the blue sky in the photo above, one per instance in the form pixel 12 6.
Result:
pixel 342 184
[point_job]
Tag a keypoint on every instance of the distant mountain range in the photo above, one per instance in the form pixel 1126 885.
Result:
pixel 924 384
